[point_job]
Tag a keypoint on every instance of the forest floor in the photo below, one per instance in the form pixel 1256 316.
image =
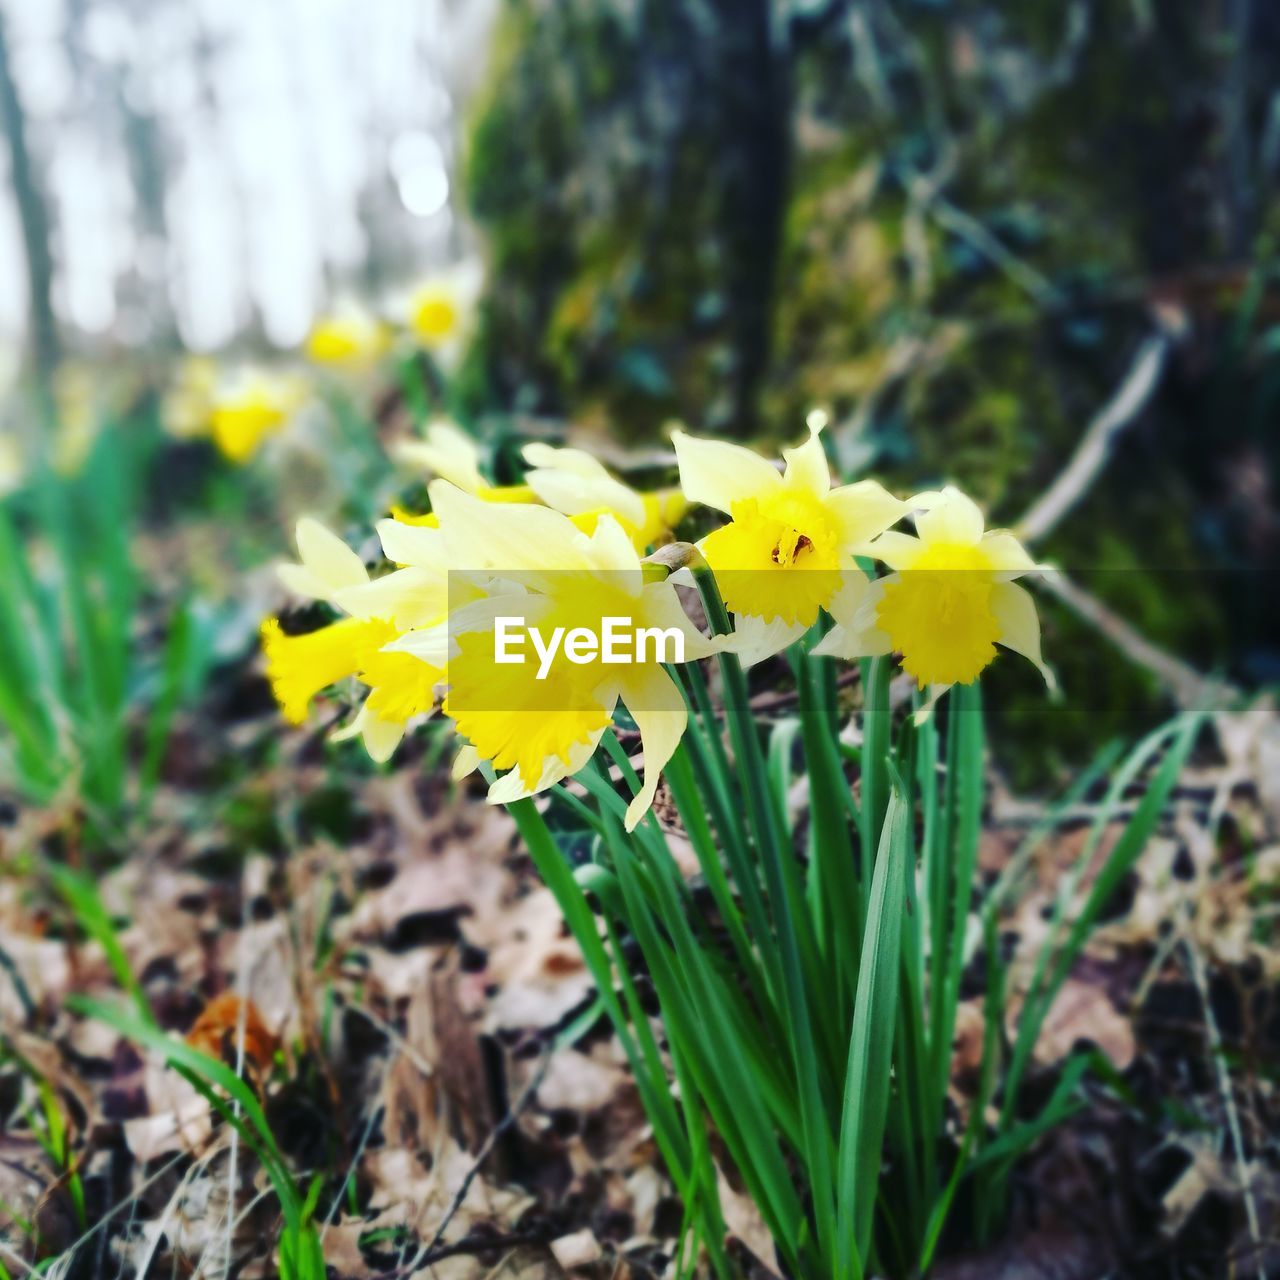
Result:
pixel 377 953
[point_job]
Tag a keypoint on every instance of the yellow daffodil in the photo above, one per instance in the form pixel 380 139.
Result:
pixel 439 310
pixel 576 484
pixel 187 407
pixel 791 537
pixel 542 719
pixel 950 600
pixel 567 480
pixel 348 337
pixel 448 452
pixel 381 610
pixel 253 405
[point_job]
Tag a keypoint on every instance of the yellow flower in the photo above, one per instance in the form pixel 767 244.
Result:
pixel 349 336
pixel 567 480
pixel 448 452
pixel 950 600
pixel 299 667
pixel 382 609
pixel 543 720
pixel 254 405
pixel 575 483
pixel 791 536
pixel 438 311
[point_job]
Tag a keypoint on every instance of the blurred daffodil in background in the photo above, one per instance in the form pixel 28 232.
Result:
pixel 438 311
pixel 186 407
pixel 348 337
pixel 570 481
pixel 451 454
pixel 250 406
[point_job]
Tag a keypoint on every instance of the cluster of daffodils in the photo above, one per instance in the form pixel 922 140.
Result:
pixel 241 408
pixel 504 602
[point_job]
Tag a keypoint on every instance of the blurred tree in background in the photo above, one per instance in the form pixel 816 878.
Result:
pixel 949 225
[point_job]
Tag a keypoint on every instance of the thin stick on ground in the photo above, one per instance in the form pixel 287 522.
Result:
pixel 1094 449
pixel 1217 1054
pixel 1189 687
pixel 486 1148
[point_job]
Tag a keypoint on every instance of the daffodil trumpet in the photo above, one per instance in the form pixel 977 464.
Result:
pixel 791 535
pixel 950 599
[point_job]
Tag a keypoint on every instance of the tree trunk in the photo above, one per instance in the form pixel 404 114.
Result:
pixel 33 211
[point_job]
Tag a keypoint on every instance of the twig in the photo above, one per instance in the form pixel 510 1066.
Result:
pixel 967 227
pixel 1216 1052
pixel 1189 688
pixel 475 1244
pixel 428 1252
pixel 1094 448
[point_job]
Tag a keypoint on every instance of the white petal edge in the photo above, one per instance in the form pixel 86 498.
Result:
pixel 718 474
pixel 326 556
pixel 1015 611
pixel 953 518
pixel 659 710
pixel 807 466
pixel 863 511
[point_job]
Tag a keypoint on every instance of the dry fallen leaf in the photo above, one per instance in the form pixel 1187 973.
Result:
pixel 1082 1011
pixel 217 1032
pixel 577 1250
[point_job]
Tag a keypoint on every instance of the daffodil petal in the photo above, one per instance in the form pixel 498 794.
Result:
pixel 855 634
pixel 855 587
pixel 300 581
pixel 848 643
pixel 465 763
pixel 658 708
pixel 954 518
pixel 574 494
pixel 1015 613
pixel 863 511
pixel 327 557
pixel 807 466
pixel 511 786
pixel 412 544
pixel 897 550
pixel 718 474
pixel 510 539
pixel 409 597
pixel 429 644
pixel 754 639
pixel 930 704
pixel 1007 555
pixel 659 606
pixel 381 737
pixel 614 553
pixel 447 452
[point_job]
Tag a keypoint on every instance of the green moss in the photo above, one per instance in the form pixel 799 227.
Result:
pixel 680 225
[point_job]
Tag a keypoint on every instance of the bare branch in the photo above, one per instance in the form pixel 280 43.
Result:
pixel 1094 449
pixel 1188 686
